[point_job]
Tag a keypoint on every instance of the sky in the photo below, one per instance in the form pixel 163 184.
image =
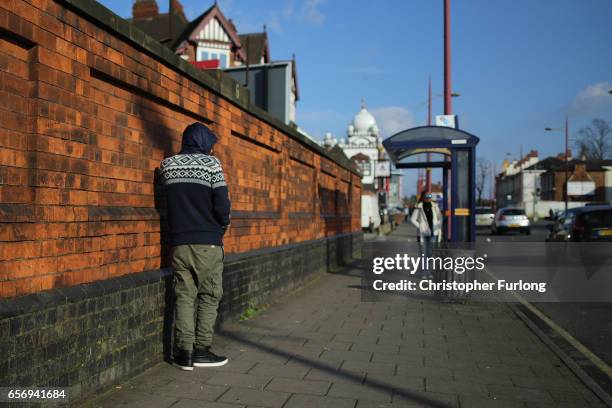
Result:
pixel 519 66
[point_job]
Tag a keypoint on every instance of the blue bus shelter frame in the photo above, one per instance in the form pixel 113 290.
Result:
pixel 459 149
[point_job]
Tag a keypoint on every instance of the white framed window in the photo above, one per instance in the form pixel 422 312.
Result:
pixel 207 53
pixel 223 60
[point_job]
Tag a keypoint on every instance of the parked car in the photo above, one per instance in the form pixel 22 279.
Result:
pixel 484 216
pixel 510 219
pixel 590 223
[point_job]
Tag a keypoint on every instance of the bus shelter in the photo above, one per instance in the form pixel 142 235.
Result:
pixel 457 150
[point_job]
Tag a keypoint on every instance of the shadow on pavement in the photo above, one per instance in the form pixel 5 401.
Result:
pixel 377 385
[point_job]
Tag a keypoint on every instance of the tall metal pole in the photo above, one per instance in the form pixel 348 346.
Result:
pixel 448 108
pixel 566 161
pixel 428 170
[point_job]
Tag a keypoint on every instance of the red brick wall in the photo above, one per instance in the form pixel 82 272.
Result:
pixel 599 177
pixel 85 118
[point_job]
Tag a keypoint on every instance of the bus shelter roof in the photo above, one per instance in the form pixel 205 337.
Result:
pixel 424 139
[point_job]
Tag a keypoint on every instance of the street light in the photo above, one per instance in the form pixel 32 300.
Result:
pixel 566 132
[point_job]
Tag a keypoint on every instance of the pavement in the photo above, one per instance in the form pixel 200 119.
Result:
pixel 324 347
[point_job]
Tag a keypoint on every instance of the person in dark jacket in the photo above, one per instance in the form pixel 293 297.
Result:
pixel 198 216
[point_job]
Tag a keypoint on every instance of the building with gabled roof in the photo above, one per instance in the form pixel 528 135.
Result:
pixel 211 41
pixel 256 47
pixel 209 37
pixel 164 27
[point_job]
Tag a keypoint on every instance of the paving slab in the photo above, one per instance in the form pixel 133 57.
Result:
pixel 311 401
pixel 323 347
pixel 262 398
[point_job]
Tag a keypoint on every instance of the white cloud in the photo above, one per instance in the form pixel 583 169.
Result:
pixel 273 22
pixel 592 99
pixel 226 5
pixel 289 9
pixel 392 119
pixel 303 10
pixel 311 12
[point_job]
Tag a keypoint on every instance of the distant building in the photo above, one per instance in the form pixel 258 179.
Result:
pixel 273 86
pixel 586 182
pixel 538 186
pixel 211 41
pixel 164 27
pixel 519 181
pixel 363 146
pixel 209 37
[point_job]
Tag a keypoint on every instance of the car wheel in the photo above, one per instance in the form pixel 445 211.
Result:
pixel 528 231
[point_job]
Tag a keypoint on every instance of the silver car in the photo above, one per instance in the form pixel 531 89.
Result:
pixel 484 216
pixel 510 219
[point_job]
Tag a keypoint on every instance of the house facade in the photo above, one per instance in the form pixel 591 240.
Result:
pixel 538 186
pixel 212 41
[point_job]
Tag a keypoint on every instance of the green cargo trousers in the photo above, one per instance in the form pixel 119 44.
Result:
pixel 198 289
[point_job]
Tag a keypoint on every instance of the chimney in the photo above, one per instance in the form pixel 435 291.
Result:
pixel 580 173
pixel 175 7
pixel 144 9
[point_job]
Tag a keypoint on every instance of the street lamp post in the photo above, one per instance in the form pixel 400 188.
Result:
pixel 565 155
pixel 428 170
pixel 448 108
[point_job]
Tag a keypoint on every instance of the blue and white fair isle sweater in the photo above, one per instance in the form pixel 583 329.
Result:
pixel 197 195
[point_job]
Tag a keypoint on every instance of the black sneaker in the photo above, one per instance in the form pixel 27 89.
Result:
pixel 205 358
pixel 183 360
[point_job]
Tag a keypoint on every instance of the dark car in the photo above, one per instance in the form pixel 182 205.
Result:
pixel 582 224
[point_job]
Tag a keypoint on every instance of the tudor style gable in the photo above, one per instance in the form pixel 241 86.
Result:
pixel 211 37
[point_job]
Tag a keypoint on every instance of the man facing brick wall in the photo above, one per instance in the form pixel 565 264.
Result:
pixel 198 216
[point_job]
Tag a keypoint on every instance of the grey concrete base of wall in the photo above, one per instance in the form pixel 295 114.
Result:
pixel 87 337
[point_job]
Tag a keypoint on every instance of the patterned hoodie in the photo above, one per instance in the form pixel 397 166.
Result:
pixel 197 195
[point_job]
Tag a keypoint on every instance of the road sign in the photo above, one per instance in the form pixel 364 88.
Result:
pixel 383 168
pixel 446 121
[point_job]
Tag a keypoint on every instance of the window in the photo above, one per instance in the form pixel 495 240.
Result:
pixel 514 211
pixel 202 55
pixel 207 54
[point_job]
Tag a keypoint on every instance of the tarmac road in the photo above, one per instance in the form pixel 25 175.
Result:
pixel 590 323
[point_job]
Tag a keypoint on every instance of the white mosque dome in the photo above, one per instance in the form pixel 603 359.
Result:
pixel 363 121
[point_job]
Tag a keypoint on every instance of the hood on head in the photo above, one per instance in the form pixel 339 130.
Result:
pixel 197 138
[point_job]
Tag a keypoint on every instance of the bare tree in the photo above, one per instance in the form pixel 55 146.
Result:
pixel 483 170
pixel 595 141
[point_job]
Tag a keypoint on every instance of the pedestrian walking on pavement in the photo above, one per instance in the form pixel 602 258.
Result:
pixel 198 217
pixel 427 219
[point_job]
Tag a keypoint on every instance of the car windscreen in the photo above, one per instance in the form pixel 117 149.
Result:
pixel 513 211
pixel 484 211
pixel 598 219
